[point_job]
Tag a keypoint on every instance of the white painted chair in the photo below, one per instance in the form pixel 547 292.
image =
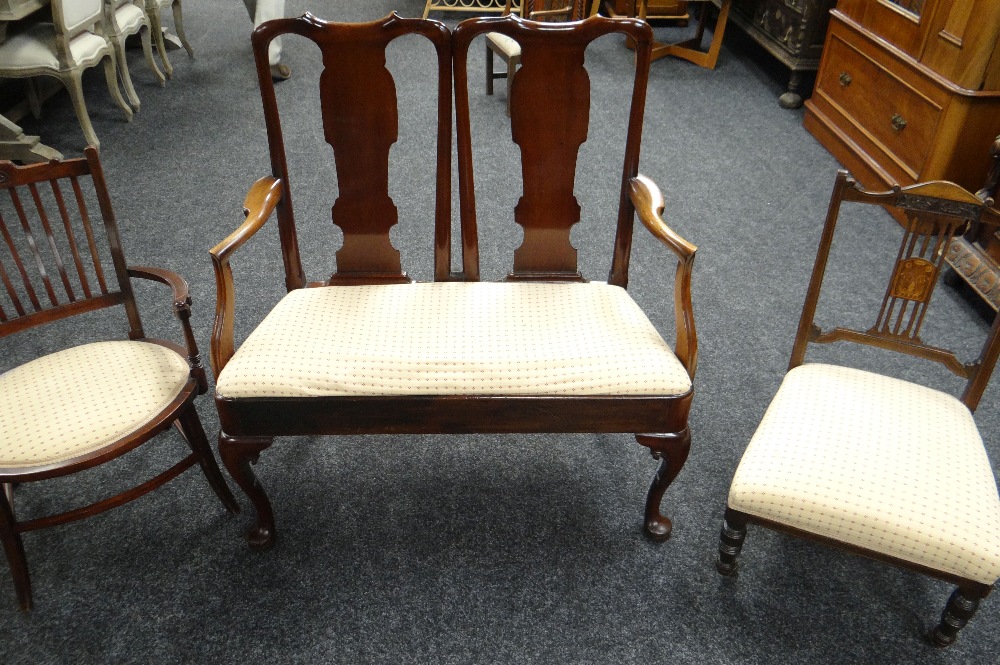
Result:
pixel 125 18
pixel 153 8
pixel 74 41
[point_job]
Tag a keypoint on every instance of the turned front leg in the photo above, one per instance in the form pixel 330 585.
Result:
pixel 238 454
pixel 734 531
pixel 960 609
pixel 672 451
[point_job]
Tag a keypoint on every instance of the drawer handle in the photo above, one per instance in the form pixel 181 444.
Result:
pixel 898 122
pixel 845 79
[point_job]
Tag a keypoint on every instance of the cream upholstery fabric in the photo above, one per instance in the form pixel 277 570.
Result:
pixel 507 45
pixel 36 47
pixel 76 401
pixel 455 338
pixel 80 13
pixel 129 19
pixel 875 462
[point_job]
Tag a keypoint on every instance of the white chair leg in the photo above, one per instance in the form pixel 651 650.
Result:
pixel 179 26
pixel 74 86
pixel 156 28
pixel 147 49
pixel 126 77
pixel 111 76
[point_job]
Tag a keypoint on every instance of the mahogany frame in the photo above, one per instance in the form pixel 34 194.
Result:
pixel 249 425
pixel 940 212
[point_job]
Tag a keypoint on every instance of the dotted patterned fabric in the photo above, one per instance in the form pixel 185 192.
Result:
pixel 76 401
pixel 455 338
pixel 875 462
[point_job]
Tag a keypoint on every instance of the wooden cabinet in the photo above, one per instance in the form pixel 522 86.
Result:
pixel 668 9
pixel 792 31
pixel 909 90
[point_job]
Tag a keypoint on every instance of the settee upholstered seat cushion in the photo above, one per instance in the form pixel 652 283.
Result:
pixel 449 338
pixel 875 462
pixel 79 400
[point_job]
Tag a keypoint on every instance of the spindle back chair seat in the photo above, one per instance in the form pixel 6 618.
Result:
pixel 83 406
pixel 370 351
pixel 871 463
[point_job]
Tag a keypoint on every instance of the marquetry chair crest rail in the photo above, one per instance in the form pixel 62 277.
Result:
pixel 369 350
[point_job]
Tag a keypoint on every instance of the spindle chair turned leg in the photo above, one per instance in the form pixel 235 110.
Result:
pixel 238 453
pixel 490 75
pixel 672 451
pixel 961 607
pixel 14 549
pixel 734 531
pixel 190 428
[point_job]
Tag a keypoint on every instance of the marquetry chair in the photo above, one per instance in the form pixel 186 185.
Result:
pixel 509 50
pixel 123 19
pixel 370 351
pixel 877 465
pixel 155 10
pixel 82 406
pixel 75 40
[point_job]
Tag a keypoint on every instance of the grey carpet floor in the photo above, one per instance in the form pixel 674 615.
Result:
pixel 471 549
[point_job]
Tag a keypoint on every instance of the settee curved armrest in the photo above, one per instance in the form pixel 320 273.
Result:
pixel 648 202
pixel 260 202
pixel 182 310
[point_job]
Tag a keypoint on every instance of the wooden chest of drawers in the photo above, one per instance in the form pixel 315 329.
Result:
pixel 792 31
pixel 890 118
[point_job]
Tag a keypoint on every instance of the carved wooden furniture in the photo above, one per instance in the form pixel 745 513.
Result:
pixel 123 19
pixel 510 51
pixel 689 49
pixel 14 143
pixel 656 9
pixel 907 95
pixel 369 351
pixel 975 256
pixel 793 31
pixel 74 41
pixel 81 407
pixel 879 466
pixel 155 10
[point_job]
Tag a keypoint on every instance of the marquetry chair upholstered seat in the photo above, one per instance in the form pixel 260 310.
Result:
pixel 75 40
pixel 878 465
pixel 507 47
pixel 368 350
pixel 79 407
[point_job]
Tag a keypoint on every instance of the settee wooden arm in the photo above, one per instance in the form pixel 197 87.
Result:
pixel 648 202
pixel 182 310
pixel 260 202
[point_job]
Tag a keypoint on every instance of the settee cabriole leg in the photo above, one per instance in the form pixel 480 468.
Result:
pixel 734 531
pixel 238 453
pixel 672 451
pixel 960 608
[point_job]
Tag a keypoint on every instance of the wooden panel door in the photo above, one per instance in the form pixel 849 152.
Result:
pixel 903 23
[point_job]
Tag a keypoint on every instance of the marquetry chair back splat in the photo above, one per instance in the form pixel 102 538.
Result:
pixel 368 350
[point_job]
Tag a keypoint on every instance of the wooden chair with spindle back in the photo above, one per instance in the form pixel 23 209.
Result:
pixel 83 406
pixel 369 350
pixel 873 464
